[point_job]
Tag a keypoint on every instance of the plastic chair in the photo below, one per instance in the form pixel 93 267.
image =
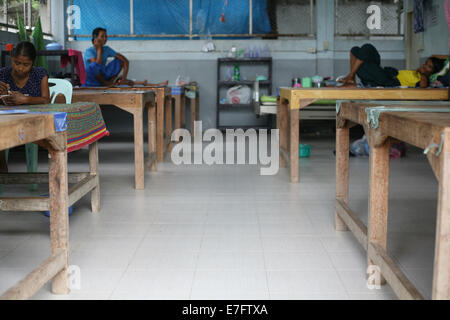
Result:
pixel 60 86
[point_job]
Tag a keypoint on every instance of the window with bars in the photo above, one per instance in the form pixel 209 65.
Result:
pixel 28 11
pixel 351 18
pixel 191 19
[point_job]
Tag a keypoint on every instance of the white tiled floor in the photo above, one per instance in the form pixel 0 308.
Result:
pixel 225 232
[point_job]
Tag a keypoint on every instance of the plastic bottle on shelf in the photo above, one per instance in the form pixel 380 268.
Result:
pixel 228 75
pixel 247 51
pixel 237 73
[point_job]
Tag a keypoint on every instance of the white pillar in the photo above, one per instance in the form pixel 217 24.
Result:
pixel 58 23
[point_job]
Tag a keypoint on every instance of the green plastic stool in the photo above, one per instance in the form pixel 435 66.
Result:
pixel 304 150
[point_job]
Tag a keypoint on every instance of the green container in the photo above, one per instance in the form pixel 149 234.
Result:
pixel 237 73
pixel 304 150
pixel 306 82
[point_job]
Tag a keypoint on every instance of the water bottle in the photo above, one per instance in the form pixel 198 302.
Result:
pixel 237 73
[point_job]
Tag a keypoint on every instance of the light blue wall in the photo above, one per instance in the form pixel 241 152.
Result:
pixel 436 37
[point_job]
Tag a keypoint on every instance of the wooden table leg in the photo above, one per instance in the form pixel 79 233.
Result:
pixel 183 111
pixel 169 124
pixel 194 113
pixel 342 171
pixel 294 140
pixel 282 125
pixel 160 107
pixel 59 217
pixel 177 121
pixel 378 197
pixel 197 106
pixel 139 170
pixel 441 272
pixel 152 136
pixel 93 167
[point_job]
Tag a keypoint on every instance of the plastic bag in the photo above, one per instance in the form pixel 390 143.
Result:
pixel 360 147
pixel 182 80
pixel 208 46
pixel 239 95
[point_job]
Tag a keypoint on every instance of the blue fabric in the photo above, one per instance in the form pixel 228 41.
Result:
pixel 207 14
pixel 93 69
pixel 172 17
pixel 161 16
pixel 33 85
pixel 91 53
pixel 113 15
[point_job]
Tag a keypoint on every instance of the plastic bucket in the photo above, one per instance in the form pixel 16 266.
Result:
pixel 304 150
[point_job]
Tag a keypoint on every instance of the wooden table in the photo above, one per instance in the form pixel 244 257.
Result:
pixel 134 102
pixel 421 130
pixel 163 105
pixel 17 130
pixel 292 100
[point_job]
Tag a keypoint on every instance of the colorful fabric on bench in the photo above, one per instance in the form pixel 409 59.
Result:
pixel 85 123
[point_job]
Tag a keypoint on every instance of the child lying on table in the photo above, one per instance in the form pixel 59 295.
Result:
pixel 22 83
pixel 98 73
pixel 365 62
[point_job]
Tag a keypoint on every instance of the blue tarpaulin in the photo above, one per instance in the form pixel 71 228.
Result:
pixel 171 17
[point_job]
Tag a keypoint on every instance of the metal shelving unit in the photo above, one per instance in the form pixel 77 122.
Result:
pixel 230 83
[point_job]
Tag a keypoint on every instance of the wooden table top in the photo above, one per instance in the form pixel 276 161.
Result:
pixel 121 98
pixel 19 129
pixel 295 95
pixel 417 128
pixel 165 89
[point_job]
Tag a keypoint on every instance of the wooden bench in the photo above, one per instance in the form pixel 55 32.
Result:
pixel 422 130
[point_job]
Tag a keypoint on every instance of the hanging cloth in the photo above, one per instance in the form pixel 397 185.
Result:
pixel 418 16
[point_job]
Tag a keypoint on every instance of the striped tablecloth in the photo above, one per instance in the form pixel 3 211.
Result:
pixel 85 123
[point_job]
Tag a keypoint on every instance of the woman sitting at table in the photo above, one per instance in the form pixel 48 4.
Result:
pixel 22 83
pixel 365 62
pixel 98 72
